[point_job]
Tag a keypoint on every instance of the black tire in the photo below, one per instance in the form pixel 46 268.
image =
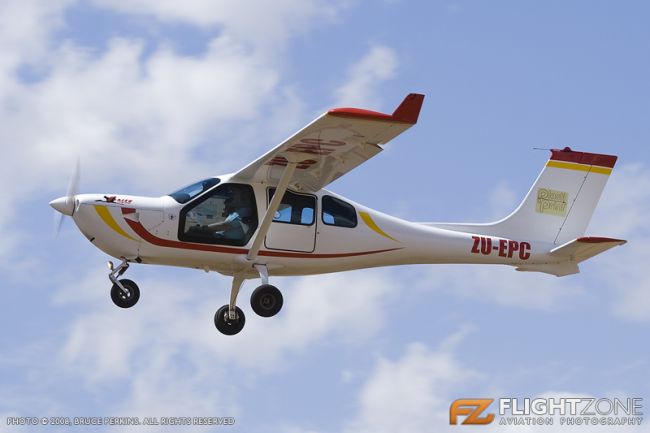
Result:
pixel 125 300
pixel 227 326
pixel 266 300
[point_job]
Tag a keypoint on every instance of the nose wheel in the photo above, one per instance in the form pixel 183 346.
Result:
pixel 124 293
pixel 126 296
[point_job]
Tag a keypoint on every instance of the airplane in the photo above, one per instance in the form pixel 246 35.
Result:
pixel 274 217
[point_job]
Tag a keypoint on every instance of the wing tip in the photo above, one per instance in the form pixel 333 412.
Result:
pixel 407 112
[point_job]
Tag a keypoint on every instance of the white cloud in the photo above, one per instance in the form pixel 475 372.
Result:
pixel 503 285
pixel 25 27
pixel 169 358
pixel 105 339
pixel 411 394
pixel 117 110
pixel 625 205
pixel 502 201
pixel 623 213
pixel 377 65
pixel 24 30
pixel 175 360
pixel 166 357
pixel 260 24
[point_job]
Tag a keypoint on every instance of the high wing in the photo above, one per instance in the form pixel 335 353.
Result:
pixel 332 145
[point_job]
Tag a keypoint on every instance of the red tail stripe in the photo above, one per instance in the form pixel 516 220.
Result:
pixel 569 155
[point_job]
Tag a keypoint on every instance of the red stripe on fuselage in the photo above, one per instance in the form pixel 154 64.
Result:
pixel 144 234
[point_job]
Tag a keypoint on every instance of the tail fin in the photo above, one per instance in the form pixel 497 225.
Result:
pixel 560 204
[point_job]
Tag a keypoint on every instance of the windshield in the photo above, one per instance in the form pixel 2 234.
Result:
pixel 189 192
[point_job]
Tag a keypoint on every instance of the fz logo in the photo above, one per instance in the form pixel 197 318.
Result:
pixel 471 409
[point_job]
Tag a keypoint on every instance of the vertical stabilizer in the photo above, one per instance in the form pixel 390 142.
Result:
pixel 559 206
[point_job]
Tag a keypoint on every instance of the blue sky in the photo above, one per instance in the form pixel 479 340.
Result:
pixel 151 95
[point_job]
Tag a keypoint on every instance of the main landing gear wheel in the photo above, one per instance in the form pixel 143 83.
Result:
pixel 125 300
pixel 266 300
pixel 228 326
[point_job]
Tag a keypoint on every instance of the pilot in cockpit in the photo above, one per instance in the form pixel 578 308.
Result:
pixel 235 215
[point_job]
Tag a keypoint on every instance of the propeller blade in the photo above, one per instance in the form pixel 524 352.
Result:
pixel 73 186
pixel 67 208
pixel 58 222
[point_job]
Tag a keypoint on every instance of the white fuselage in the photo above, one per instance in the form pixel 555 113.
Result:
pixel 146 230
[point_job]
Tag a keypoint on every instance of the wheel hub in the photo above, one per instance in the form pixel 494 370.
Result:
pixel 267 301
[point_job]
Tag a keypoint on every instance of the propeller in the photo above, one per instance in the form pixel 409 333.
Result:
pixel 65 205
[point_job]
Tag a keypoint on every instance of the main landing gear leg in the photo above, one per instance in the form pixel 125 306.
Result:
pixel 266 300
pixel 230 319
pixel 124 293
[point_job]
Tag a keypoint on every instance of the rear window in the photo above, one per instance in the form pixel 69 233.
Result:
pixel 294 208
pixel 338 213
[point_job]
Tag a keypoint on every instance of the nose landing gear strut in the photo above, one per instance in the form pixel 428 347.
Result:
pixel 124 293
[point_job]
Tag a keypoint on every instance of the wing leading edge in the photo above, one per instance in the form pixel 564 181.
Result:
pixel 332 145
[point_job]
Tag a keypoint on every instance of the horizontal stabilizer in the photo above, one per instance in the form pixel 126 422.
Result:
pixel 572 253
pixel 585 247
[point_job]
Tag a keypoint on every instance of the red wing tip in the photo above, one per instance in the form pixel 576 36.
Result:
pixel 407 112
pixel 599 240
pixel 359 113
pixel 569 155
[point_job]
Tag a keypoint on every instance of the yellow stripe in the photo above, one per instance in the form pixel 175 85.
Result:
pixel 601 170
pixel 373 226
pixel 580 167
pixel 106 216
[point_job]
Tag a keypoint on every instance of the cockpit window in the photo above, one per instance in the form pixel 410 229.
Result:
pixel 189 192
pixel 226 215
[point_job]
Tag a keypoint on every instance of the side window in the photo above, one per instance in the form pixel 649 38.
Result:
pixel 295 208
pixel 338 213
pixel 227 215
